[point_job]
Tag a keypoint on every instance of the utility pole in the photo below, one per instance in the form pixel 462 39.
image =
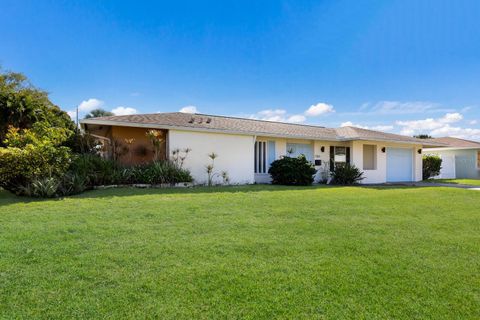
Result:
pixel 77 119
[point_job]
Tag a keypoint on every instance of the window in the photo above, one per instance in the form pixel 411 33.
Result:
pixel 369 157
pixel 264 155
pixel 296 149
pixel 339 155
pixel 260 157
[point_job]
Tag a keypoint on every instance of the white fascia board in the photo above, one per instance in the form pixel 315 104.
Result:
pixel 451 148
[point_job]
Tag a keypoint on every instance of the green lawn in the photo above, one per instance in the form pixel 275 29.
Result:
pixel 472 182
pixel 257 252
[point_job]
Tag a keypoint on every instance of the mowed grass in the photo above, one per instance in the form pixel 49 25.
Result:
pixel 472 182
pixel 257 252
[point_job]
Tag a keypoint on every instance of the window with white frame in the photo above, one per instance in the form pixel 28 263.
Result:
pixel 260 160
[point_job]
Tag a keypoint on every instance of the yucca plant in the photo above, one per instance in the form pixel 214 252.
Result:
pixel 41 187
pixel 346 174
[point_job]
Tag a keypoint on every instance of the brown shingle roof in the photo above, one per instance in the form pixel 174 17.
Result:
pixel 213 123
pixel 354 133
pixel 457 143
pixel 220 123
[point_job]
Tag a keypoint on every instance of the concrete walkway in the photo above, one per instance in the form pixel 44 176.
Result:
pixel 450 185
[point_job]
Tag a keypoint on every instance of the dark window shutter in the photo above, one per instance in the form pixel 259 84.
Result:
pixel 332 158
pixel 348 155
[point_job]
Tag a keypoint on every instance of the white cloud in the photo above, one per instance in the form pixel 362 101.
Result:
pixel 451 118
pixel 270 115
pixel 421 126
pixel 349 124
pixel 408 107
pixel 124 111
pixel 72 114
pixel 377 128
pixel 440 127
pixel 457 132
pixel 89 105
pixel 279 115
pixel 472 122
pixel 297 118
pixel 319 109
pixel 189 109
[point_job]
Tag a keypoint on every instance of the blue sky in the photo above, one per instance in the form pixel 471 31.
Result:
pixel 406 66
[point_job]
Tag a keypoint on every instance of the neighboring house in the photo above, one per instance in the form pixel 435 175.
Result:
pixel 460 158
pixel 246 147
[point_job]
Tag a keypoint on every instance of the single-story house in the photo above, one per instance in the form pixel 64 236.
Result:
pixel 246 147
pixel 460 158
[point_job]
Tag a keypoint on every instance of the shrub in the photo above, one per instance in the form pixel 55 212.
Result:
pixel 431 166
pixel 98 171
pixel 95 170
pixel 292 171
pixel 22 166
pixel 33 154
pixel 160 172
pixel 40 188
pixel 346 174
pixel 71 183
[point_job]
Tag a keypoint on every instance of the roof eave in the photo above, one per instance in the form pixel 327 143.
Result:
pixel 424 145
pixel 452 148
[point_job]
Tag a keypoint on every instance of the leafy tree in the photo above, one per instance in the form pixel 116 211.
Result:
pixel 99 113
pixel 423 136
pixel 22 105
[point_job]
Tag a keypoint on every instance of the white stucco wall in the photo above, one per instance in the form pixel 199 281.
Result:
pixel 281 150
pixel 379 175
pixel 235 154
pixel 465 161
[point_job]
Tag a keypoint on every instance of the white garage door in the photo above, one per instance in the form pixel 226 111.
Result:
pixel 399 165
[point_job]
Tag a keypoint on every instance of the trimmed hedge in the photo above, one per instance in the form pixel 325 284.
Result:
pixel 292 171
